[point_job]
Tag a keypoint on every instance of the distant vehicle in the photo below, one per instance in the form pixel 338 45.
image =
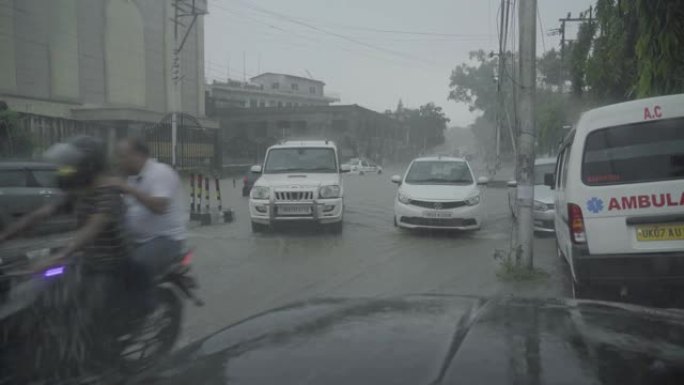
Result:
pixel 363 166
pixel 248 182
pixel 300 181
pixel 438 192
pixel 469 340
pixel 619 195
pixel 543 209
pixel 26 186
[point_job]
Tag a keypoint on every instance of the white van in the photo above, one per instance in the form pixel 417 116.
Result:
pixel 619 201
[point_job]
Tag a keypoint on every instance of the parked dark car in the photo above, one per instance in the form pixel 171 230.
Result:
pixel 248 181
pixel 24 187
pixel 439 340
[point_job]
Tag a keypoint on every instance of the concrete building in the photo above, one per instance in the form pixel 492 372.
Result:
pixel 72 65
pixel 269 90
pixel 246 132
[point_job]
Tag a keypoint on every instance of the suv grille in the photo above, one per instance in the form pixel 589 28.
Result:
pixel 291 196
pixel 438 205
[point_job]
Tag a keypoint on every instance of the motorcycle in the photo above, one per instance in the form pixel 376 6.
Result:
pixel 48 336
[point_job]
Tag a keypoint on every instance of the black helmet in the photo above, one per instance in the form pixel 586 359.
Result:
pixel 78 161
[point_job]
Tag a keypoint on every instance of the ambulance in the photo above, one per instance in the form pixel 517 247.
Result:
pixel 619 196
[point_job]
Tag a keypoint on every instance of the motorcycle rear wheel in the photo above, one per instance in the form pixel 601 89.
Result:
pixel 165 323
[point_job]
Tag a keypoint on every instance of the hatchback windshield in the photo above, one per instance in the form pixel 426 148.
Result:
pixel 281 160
pixel 439 172
pixel 635 153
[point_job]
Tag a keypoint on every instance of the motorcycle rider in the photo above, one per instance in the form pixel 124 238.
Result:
pixel 99 210
pixel 156 214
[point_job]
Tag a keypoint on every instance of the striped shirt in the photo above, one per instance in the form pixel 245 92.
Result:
pixel 110 246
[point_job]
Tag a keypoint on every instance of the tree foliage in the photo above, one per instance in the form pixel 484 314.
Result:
pixel 635 50
pixel 426 124
pixel 14 142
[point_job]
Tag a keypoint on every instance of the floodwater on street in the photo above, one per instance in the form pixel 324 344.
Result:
pixel 242 274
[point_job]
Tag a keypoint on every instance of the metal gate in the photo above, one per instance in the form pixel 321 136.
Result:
pixel 197 147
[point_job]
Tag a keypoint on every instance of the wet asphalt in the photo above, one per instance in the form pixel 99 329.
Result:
pixel 242 274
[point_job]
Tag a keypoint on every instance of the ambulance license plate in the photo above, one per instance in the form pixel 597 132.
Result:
pixel 660 233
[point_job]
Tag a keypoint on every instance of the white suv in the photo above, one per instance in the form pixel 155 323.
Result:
pixel 300 181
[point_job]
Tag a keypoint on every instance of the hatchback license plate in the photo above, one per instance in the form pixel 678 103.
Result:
pixel 294 210
pixel 436 214
pixel 660 233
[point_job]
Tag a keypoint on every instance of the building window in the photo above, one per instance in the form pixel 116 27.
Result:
pixel 253 103
pixel 275 85
pixel 289 104
pixel 295 87
pixel 280 104
pixel 262 103
pixel 272 103
pixel 312 90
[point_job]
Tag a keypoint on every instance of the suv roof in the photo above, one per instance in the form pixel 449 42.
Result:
pixel 305 143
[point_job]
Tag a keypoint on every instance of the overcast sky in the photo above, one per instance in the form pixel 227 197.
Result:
pixel 348 44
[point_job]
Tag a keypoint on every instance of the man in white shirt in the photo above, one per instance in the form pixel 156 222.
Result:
pixel 156 215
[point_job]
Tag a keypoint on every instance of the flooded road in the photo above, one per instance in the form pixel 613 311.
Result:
pixel 242 274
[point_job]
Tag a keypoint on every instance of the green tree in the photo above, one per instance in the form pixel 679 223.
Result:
pixel 632 50
pixel 14 142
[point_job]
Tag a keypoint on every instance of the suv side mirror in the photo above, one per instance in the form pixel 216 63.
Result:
pixel 549 180
pixel 483 180
pixel 256 169
pixel 345 168
pixel 396 179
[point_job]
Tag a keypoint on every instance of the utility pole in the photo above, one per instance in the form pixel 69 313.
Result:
pixel 564 40
pixel 182 9
pixel 526 138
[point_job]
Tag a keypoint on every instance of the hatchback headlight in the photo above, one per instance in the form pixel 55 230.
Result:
pixel 472 201
pixel 261 192
pixel 539 206
pixel 329 192
pixel 403 198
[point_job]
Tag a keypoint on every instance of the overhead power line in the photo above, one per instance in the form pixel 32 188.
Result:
pixel 331 33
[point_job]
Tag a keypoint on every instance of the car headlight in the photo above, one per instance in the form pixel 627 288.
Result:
pixel 328 192
pixel 261 192
pixel 472 201
pixel 403 198
pixel 539 206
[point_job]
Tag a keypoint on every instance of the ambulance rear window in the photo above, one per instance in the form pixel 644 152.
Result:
pixel 636 153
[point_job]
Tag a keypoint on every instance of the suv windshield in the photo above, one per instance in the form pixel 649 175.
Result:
pixel 635 153
pixel 282 160
pixel 439 172
pixel 540 170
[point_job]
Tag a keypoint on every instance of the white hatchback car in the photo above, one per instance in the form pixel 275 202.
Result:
pixel 438 193
pixel 619 196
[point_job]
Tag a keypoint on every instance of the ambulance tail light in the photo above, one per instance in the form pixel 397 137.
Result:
pixel 576 221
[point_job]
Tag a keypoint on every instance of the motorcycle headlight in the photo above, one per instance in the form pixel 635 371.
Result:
pixel 539 206
pixel 261 192
pixel 403 198
pixel 472 201
pixel 328 192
